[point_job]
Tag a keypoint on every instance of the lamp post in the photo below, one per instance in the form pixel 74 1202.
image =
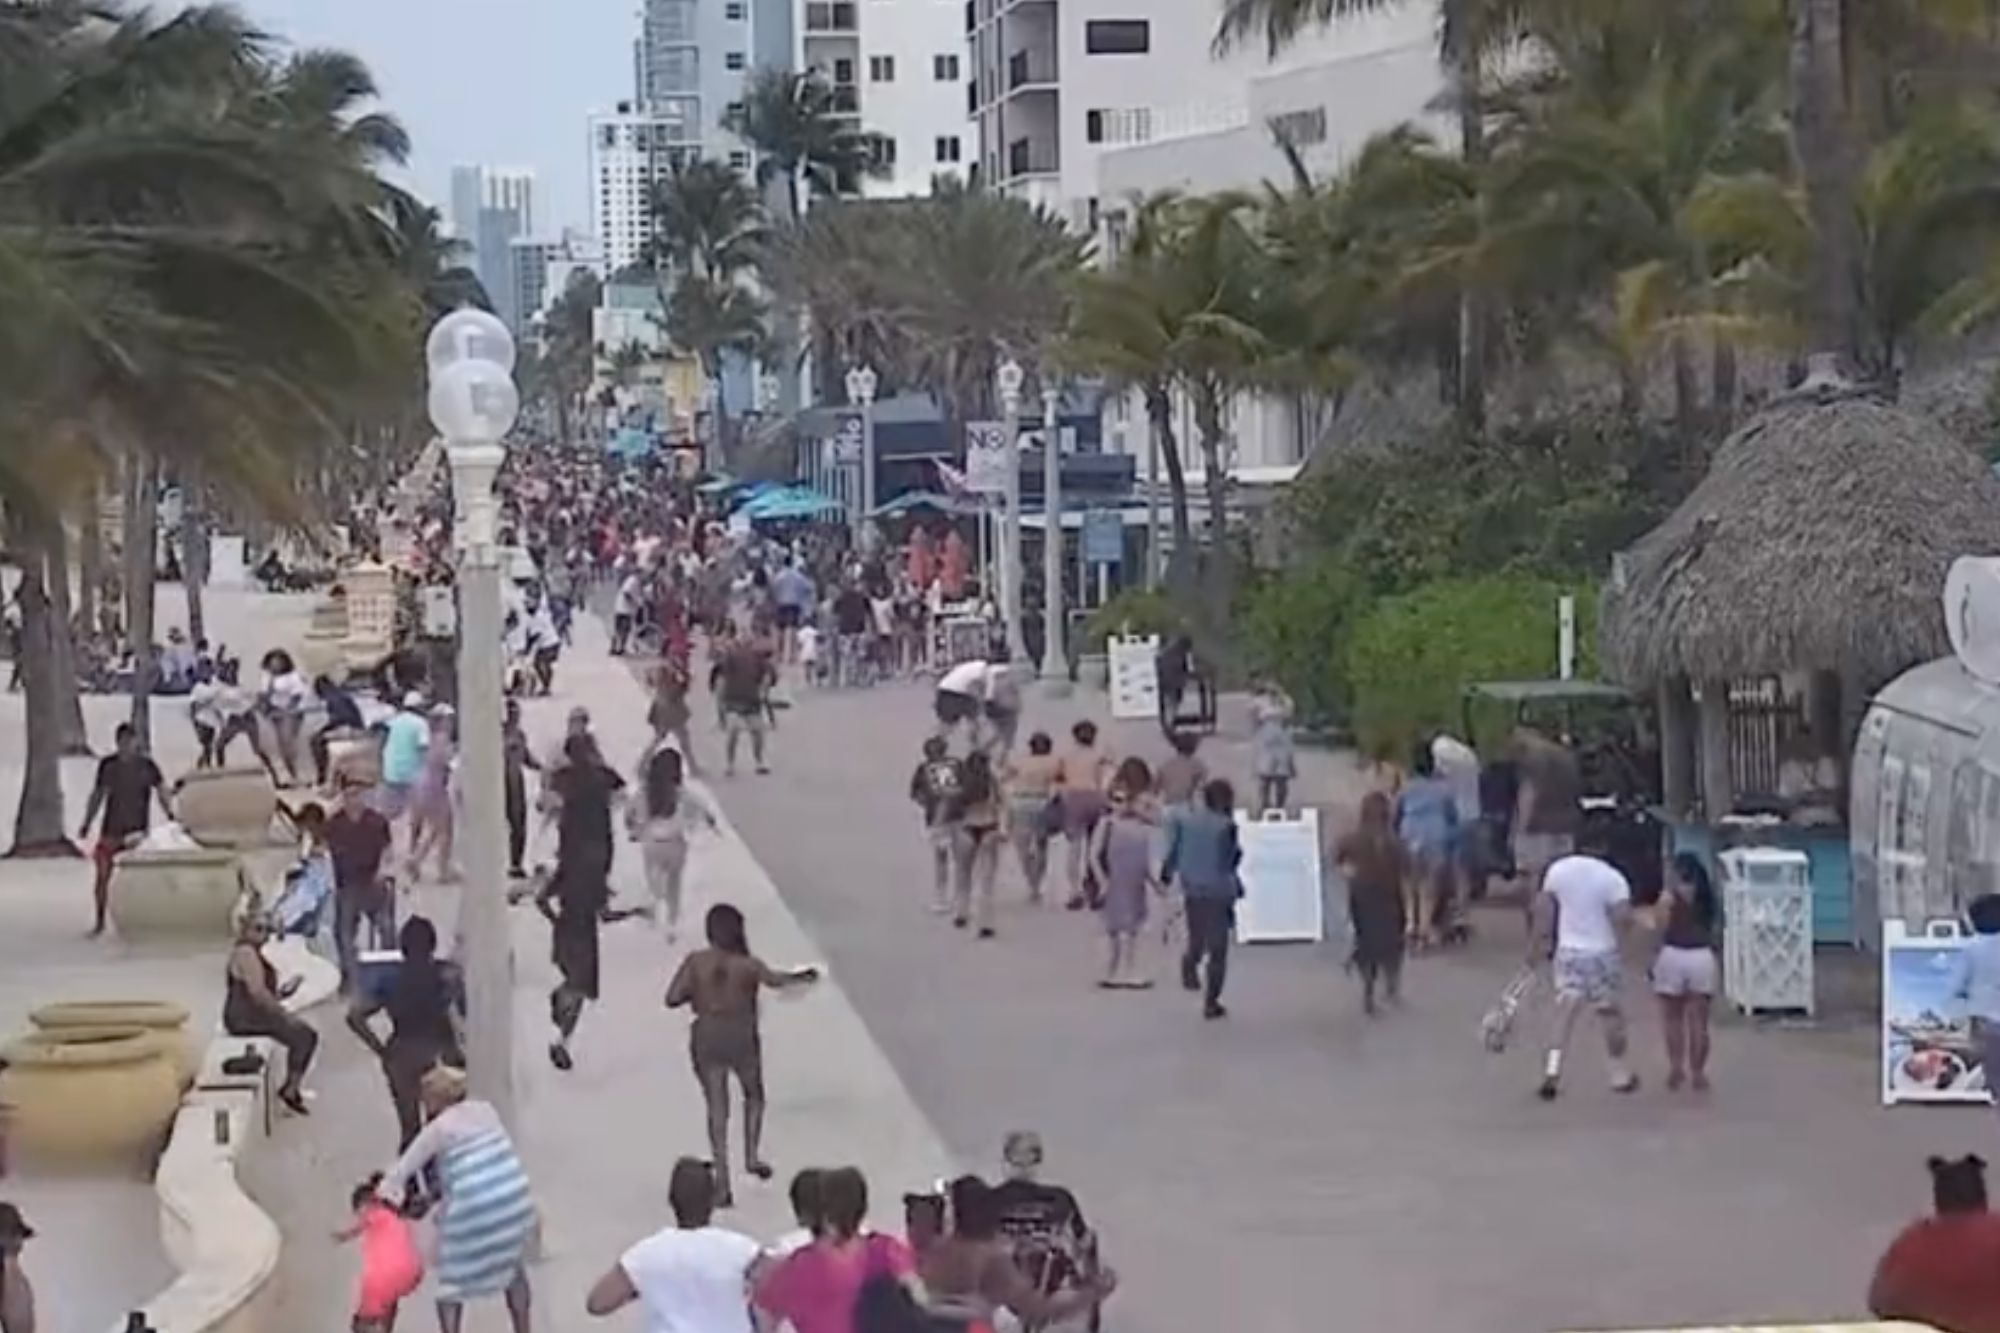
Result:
pixel 1055 662
pixel 1007 379
pixel 1153 564
pixel 473 404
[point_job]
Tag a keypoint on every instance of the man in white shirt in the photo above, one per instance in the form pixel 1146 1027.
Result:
pixel 961 695
pixel 1584 904
pixel 692 1277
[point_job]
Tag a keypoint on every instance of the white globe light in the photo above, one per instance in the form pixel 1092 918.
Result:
pixel 474 402
pixel 469 335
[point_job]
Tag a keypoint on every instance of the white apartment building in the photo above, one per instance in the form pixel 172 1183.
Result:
pixel 1083 104
pixel 631 150
pixel 899 68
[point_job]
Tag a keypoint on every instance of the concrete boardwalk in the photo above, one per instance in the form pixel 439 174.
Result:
pixel 599 1141
pixel 1300 1167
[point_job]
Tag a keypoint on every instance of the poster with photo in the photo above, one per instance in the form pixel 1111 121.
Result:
pixel 1928 1051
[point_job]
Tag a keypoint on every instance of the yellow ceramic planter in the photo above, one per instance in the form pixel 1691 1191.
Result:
pixel 177 895
pixel 88 1098
pixel 161 1016
pixel 227 807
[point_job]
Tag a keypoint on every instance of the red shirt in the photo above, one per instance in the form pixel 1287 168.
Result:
pixel 1943 1271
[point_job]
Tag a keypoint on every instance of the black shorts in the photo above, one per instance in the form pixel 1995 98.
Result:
pixel 953 708
pixel 788 617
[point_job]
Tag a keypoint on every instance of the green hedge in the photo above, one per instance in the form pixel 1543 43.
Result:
pixel 1410 657
pixel 1294 631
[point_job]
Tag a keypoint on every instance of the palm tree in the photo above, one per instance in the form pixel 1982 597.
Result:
pixel 709 318
pixel 203 246
pixel 706 219
pixel 802 141
pixel 564 373
pixel 839 264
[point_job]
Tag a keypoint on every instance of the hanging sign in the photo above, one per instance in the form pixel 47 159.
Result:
pixel 1104 537
pixel 987 457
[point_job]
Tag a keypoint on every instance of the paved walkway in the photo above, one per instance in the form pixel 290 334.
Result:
pixel 1299 1161
pixel 600 1140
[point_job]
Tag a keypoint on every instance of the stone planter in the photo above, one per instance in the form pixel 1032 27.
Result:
pixel 158 1016
pixel 1093 671
pixel 227 807
pixel 177 895
pixel 88 1098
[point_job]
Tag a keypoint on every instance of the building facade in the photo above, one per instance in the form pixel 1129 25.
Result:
pixel 898 68
pixel 491 208
pixel 631 150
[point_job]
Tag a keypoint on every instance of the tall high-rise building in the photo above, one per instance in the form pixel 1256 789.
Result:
pixel 631 150
pixel 898 68
pixel 693 61
pixel 490 208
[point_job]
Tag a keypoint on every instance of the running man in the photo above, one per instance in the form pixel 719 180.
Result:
pixel 1585 904
pixel 741 680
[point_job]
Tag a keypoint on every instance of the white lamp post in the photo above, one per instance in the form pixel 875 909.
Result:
pixel 1007 379
pixel 1055 663
pixel 861 384
pixel 473 404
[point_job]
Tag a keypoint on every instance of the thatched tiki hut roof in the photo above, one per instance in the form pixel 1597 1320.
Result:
pixel 1818 541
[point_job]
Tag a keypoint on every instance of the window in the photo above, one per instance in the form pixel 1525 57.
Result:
pixel 946 148
pixel 1117 37
pixel 881 69
pixel 883 150
pixel 739 159
pixel 733 10
pixel 734 60
pixel 732 111
pixel 1093 126
pixel 944 69
pixel 843 71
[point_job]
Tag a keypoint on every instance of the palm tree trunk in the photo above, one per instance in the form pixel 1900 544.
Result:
pixel 1474 315
pixel 194 554
pixel 722 452
pixel 1826 151
pixel 90 561
pixel 142 522
pixel 1687 396
pixel 38 820
pixel 1723 388
pixel 69 707
pixel 1159 410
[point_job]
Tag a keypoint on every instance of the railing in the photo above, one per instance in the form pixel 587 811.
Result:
pixel 1027 68
pixel 845 100
pixel 1025 157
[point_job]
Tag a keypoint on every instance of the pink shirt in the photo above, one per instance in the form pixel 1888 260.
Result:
pixel 815 1288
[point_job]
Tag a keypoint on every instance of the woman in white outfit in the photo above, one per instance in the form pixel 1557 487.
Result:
pixel 661 821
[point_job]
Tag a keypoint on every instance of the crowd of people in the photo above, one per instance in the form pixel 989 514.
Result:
pixel 1146 841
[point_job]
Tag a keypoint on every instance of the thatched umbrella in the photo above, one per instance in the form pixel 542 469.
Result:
pixel 1818 542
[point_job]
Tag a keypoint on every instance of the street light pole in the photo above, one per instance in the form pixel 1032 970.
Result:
pixel 1152 503
pixel 473 404
pixel 1055 663
pixel 861 383
pixel 1008 380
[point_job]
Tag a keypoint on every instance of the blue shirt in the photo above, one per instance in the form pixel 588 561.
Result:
pixel 1427 817
pixel 1979 977
pixel 1203 851
pixel 403 749
pixel 792 588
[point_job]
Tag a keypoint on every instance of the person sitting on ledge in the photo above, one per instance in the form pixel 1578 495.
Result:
pixel 255 1007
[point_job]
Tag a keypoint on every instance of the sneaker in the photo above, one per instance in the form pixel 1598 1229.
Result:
pixel 1213 1012
pixel 559 1057
pixel 1548 1089
pixel 986 932
pixel 1626 1085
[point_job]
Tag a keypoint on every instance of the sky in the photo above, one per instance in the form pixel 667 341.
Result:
pixel 505 83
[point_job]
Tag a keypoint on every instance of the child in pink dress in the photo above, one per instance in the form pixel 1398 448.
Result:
pixel 391 1268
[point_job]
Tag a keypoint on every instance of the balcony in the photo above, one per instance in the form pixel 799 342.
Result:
pixel 836 18
pixel 1029 71
pixel 1026 157
pixel 845 100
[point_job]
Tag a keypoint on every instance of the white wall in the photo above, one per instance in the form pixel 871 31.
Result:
pixel 915 109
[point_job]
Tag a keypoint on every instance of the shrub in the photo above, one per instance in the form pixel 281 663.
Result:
pixel 1134 611
pixel 1294 630
pixel 1410 657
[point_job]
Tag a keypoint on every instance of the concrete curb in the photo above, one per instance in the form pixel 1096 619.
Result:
pixel 226 1246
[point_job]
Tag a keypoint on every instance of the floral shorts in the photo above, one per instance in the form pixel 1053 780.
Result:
pixel 1594 978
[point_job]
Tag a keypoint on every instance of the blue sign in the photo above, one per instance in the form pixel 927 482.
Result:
pixel 1103 537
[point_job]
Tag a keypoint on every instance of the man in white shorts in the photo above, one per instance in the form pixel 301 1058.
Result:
pixel 1585 902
